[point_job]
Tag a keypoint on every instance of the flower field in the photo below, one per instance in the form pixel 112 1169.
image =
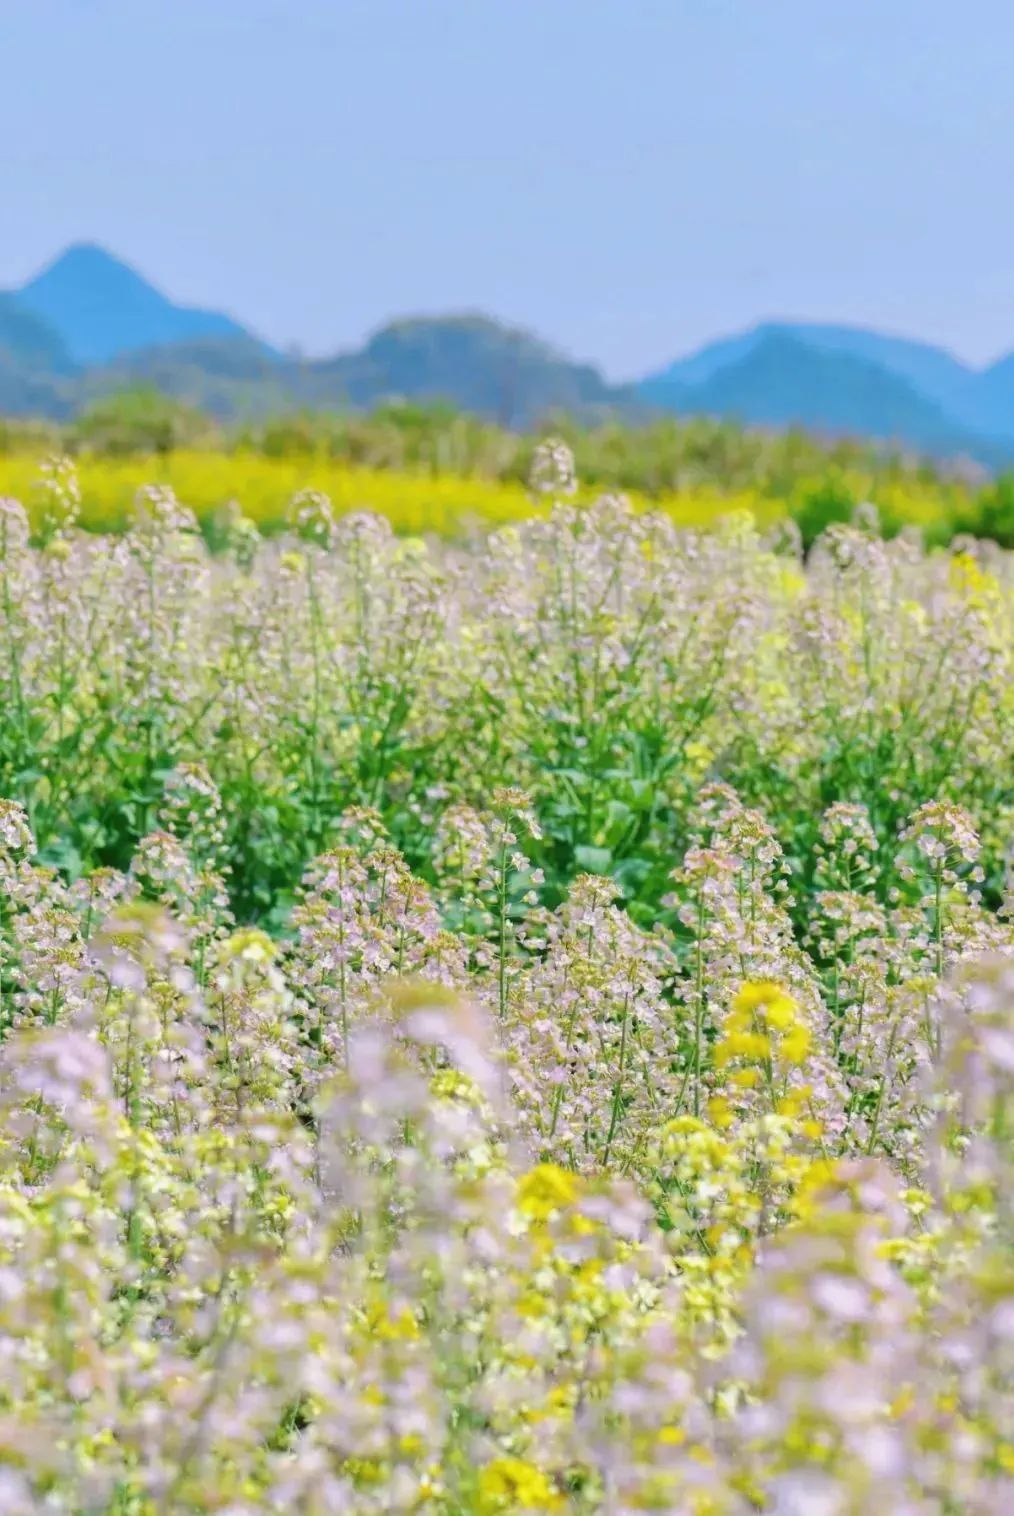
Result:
pixel 522 1022
pixel 463 496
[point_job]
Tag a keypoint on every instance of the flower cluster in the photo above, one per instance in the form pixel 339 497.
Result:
pixel 526 1026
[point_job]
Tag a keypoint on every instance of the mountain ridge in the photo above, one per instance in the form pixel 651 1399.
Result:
pixel 784 381
pixel 89 323
pixel 977 402
pixel 932 368
pixel 102 307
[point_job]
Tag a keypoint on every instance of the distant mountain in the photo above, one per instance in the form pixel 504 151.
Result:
pixel 781 380
pixel 101 308
pixel 986 402
pixel 932 370
pixel 35 367
pixel 470 361
pixel 228 377
pixel 28 340
pixel 27 391
pixel 975 403
pixel 89 325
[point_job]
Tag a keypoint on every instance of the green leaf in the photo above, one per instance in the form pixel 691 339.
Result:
pixel 593 860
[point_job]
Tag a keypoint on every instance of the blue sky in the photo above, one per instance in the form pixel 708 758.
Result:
pixel 627 177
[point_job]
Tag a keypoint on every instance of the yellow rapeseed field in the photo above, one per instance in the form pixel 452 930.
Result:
pixel 414 503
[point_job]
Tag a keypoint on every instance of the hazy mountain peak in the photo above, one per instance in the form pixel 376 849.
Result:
pixel 932 369
pixel 469 360
pixel 101 307
pixel 85 260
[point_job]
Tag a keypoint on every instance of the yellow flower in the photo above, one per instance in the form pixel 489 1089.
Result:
pixel 795 1045
pixel 753 996
pixel 683 1126
pixel 249 943
pixel 753 1045
pixel 386 1325
pixel 781 1013
pixel 511 1484
pixel 697 756
pixel 720 1111
pixel 545 1189
pixel 968 579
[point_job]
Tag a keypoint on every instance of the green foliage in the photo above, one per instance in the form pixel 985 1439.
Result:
pixel 711 466
pixel 819 504
pixel 601 660
pixel 138 421
pixel 991 512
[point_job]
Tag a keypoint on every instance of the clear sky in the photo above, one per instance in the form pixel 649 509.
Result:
pixel 627 177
